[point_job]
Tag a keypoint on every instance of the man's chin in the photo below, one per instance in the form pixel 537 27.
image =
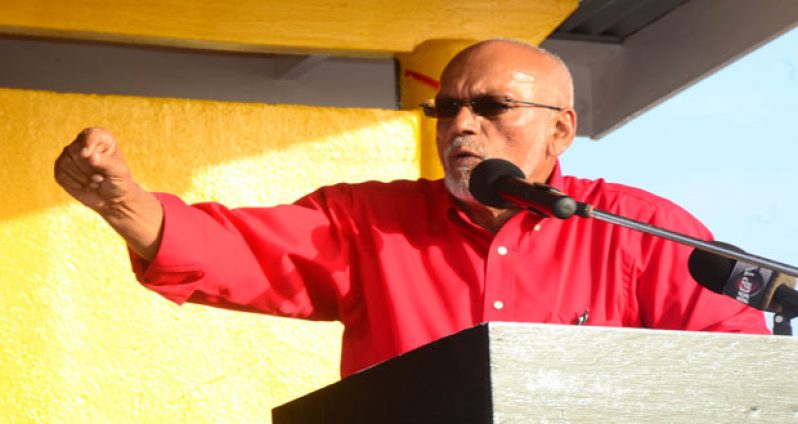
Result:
pixel 458 187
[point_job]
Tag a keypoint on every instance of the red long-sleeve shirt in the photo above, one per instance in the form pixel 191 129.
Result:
pixel 400 265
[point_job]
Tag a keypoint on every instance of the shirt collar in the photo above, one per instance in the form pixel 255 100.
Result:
pixel 555 179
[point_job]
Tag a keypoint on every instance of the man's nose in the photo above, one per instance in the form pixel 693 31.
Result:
pixel 465 121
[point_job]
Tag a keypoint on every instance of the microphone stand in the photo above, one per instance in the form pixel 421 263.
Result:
pixel 781 320
pixel 781 323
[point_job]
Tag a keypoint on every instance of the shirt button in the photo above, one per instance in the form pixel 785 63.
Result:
pixel 502 250
pixel 537 227
pixel 498 304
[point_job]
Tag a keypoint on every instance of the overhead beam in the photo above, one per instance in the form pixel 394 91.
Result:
pixel 616 82
pixel 374 27
pixel 293 67
pixel 75 66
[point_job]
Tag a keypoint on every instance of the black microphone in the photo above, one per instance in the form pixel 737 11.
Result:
pixel 758 287
pixel 500 184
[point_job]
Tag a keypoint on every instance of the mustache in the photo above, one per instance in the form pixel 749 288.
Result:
pixel 464 142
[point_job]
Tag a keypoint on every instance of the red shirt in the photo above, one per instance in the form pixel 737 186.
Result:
pixel 400 265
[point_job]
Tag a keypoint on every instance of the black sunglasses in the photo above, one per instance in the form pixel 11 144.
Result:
pixel 487 106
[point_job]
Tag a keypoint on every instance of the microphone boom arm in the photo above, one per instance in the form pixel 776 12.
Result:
pixel 587 211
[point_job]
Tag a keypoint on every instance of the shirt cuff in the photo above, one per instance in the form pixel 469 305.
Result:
pixel 176 270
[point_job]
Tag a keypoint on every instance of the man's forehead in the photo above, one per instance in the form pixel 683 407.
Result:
pixel 497 52
pixel 523 76
pixel 478 81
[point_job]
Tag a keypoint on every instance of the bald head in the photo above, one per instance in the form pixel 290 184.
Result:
pixel 547 72
pixel 503 99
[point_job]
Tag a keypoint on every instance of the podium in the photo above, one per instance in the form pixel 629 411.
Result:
pixel 525 373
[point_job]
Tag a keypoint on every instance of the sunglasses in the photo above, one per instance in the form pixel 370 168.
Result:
pixel 487 106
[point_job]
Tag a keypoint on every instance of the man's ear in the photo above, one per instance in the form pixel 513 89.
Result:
pixel 563 133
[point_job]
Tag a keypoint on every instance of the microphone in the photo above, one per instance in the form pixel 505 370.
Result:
pixel 758 287
pixel 500 184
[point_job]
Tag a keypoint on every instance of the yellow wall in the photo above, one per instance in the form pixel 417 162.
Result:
pixel 80 340
pixel 361 27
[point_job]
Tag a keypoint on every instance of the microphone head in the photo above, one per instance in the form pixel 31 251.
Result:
pixel 486 175
pixel 712 270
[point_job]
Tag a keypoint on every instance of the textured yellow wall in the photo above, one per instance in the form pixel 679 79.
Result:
pixel 80 340
pixel 362 27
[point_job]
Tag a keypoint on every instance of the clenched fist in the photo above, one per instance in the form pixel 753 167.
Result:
pixel 93 171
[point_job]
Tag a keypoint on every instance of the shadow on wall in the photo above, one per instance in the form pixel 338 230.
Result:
pixel 168 141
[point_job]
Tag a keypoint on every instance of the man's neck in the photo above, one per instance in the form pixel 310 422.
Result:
pixel 491 219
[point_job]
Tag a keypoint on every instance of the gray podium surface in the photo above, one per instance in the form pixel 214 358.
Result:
pixel 528 373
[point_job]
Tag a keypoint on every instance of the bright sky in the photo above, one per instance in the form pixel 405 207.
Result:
pixel 725 149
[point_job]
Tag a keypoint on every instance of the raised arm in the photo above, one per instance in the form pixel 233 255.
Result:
pixel 93 170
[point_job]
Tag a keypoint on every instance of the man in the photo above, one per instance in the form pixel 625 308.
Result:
pixel 401 264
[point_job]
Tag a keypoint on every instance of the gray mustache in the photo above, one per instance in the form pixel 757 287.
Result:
pixel 464 141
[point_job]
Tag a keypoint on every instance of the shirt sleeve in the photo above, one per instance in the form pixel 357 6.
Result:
pixel 670 298
pixel 290 260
